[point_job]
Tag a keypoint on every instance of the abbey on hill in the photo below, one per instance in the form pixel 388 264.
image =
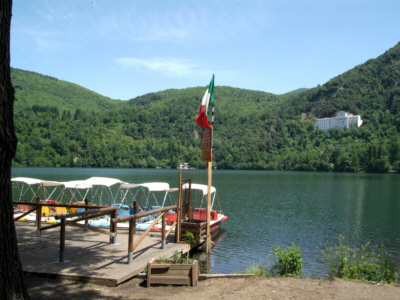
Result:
pixel 342 120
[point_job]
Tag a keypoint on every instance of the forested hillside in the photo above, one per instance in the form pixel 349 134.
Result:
pixel 34 89
pixel 252 130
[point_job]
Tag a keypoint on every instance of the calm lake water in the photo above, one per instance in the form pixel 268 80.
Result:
pixel 266 208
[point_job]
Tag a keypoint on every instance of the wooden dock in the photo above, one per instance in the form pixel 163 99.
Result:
pixel 89 255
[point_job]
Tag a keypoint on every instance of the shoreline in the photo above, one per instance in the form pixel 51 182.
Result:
pixel 217 288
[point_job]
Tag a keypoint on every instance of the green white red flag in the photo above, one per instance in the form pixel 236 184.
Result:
pixel 208 99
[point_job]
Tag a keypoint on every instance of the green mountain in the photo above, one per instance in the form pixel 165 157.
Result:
pixel 252 129
pixel 35 89
pixel 370 87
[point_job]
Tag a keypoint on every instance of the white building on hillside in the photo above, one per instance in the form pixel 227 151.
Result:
pixel 343 120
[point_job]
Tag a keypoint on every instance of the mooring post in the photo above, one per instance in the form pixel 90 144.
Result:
pixel 62 239
pixel 39 219
pixel 113 228
pixel 135 208
pixel 114 238
pixel 135 211
pixel 130 241
pixel 86 221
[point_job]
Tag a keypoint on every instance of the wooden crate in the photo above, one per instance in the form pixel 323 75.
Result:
pixel 197 227
pixel 174 274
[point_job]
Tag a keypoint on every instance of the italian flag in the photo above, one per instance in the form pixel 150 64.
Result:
pixel 208 99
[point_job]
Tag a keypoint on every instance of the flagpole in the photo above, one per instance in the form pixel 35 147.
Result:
pixel 209 171
pixel 208 242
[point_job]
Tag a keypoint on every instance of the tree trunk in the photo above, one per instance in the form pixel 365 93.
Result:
pixel 11 277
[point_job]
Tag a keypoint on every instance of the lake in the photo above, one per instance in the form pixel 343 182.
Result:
pixel 268 208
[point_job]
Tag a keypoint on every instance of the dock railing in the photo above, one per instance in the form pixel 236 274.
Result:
pixel 38 207
pixel 132 224
pixel 86 215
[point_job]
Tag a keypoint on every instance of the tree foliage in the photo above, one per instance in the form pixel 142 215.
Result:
pixel 252 129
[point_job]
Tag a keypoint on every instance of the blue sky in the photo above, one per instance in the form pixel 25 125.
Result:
pixel 124 49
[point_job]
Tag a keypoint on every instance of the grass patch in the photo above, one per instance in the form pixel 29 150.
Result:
pixel 259 269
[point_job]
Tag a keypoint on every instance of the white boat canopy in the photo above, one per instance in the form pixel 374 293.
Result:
pixel 125 190
pixel 52 185
pixel 128 186
pixel 199 187
pixel 24 185
pixel 202 188
pixel 103 183
pixel 155 186
pixel 152 188
pixel 77 188
pixel 77 184
pixel 26 180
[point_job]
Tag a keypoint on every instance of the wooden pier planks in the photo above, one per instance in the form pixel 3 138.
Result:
pixel 90 256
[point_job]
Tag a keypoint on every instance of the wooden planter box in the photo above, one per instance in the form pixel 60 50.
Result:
pixel 197 227
pixel 169 273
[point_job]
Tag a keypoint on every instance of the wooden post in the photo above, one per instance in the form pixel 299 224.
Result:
pixel 132 224
pixel 113 228
pixel 208 240
pixel 62 240
pixel 208 262
pixel 39 220
pixel 179 211
pixel 135 210
pixel 195 269
pixel 164 237
pixel 189 206
pixel 86 221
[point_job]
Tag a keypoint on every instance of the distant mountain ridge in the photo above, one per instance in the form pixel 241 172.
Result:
pixel 62 124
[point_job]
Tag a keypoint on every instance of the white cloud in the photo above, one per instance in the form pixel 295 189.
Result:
pixel 57 13
pixel 165 66
pixel 49 45
pixel 44 40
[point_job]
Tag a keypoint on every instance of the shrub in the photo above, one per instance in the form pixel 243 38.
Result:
pixel 387 269
pixel 362 263
pixel 288 262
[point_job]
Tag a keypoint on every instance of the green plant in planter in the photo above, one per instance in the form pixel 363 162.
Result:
pixel 188 238
pixel 161 260
pixel 176 258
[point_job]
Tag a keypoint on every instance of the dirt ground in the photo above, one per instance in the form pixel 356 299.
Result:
pixel 216 288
